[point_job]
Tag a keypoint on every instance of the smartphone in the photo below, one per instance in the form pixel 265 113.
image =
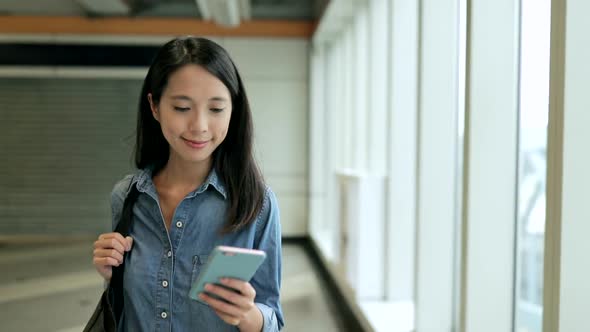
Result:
pixel 227 262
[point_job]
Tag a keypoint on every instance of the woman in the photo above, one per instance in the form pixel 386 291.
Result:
pixel 199 187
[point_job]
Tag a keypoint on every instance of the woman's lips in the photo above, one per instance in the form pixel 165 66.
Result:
pixel 195 144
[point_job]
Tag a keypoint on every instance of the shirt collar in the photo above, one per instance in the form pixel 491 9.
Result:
pixel 214 180
pixel 144 183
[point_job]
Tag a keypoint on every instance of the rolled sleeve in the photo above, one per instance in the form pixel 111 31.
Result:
pixel 269 317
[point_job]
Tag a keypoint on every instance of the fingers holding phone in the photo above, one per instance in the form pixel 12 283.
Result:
pixel 109 251
pixel 232 300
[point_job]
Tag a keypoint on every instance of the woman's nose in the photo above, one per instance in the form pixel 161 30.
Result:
pixel 199 122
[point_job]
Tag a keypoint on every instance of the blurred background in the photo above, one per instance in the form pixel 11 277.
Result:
pixel 407 142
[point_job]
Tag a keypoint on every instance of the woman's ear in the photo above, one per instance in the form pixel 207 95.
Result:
pixel 153 107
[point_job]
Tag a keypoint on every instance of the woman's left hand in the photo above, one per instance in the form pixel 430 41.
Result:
pixel 239 308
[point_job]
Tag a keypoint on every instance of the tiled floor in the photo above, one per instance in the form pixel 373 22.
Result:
pixel 55 288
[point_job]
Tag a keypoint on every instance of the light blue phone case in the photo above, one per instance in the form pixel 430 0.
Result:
pixel 227 262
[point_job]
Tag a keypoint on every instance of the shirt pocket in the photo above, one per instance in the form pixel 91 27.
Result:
pixel 199 262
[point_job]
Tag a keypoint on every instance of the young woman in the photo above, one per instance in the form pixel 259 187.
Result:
pixel 199 187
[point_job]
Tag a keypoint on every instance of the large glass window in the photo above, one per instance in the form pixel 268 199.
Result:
pixel 534 108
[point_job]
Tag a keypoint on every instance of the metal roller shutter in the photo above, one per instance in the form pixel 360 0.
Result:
pixel 64 143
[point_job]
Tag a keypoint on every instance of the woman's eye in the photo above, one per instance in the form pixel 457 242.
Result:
pixel 181 109
pixel 216 110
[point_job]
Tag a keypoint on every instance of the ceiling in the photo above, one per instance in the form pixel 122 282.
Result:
pixel 259 9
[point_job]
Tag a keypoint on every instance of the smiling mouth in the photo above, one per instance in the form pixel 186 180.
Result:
pixel 195 144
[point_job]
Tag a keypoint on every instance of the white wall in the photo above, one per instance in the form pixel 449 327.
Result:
pixel 275 73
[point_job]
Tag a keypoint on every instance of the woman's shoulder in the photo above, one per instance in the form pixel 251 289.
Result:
pixel 270 207
pixel 270 199
pixel 124 183
pixel 118 194
pixel 268 222
pixel 122 187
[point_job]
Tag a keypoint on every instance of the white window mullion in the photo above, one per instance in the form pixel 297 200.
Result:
pixel 317 140
pixel 402 149
pixel 568 181
pixel 489 195
pixel 378 111
pixel 437 144
pixel 335 123
pixel 347 98
pixel 360 109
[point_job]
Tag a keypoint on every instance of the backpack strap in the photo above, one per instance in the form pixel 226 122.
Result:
pixel 123 227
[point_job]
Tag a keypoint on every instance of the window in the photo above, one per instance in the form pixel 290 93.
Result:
pixel 532 170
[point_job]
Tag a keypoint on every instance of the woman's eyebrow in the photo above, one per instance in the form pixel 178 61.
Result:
pixel 217 99
pixel 187 98
pixel 182 97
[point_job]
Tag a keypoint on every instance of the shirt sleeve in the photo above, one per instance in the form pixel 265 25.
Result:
pixel 267 280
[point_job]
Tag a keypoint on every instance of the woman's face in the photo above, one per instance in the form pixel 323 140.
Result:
pixel 194 113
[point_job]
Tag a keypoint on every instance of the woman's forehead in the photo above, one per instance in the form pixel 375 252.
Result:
pixel 196 80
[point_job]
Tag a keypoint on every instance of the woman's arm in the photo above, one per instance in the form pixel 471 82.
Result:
pixel 267 280
pixel 256 306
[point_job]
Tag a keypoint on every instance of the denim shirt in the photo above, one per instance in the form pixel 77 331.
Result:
pixel 163 264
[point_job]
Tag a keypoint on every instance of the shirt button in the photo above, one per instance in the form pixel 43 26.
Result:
pixel 165 283
pixel 164 314
pixel 179 224
pixel 169 253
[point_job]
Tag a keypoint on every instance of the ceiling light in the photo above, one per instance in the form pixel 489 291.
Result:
pixel 225 12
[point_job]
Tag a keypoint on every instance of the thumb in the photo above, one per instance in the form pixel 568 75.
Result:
pixel 129 242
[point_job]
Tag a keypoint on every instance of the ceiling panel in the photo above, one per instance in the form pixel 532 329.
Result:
pixel 260 9
pixel 40 7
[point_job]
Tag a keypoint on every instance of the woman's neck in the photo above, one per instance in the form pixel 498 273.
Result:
pixel 179 175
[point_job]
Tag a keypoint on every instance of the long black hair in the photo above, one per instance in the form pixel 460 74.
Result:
pixel 233 159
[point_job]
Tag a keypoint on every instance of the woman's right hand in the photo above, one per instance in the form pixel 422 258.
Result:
pixel 109 251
